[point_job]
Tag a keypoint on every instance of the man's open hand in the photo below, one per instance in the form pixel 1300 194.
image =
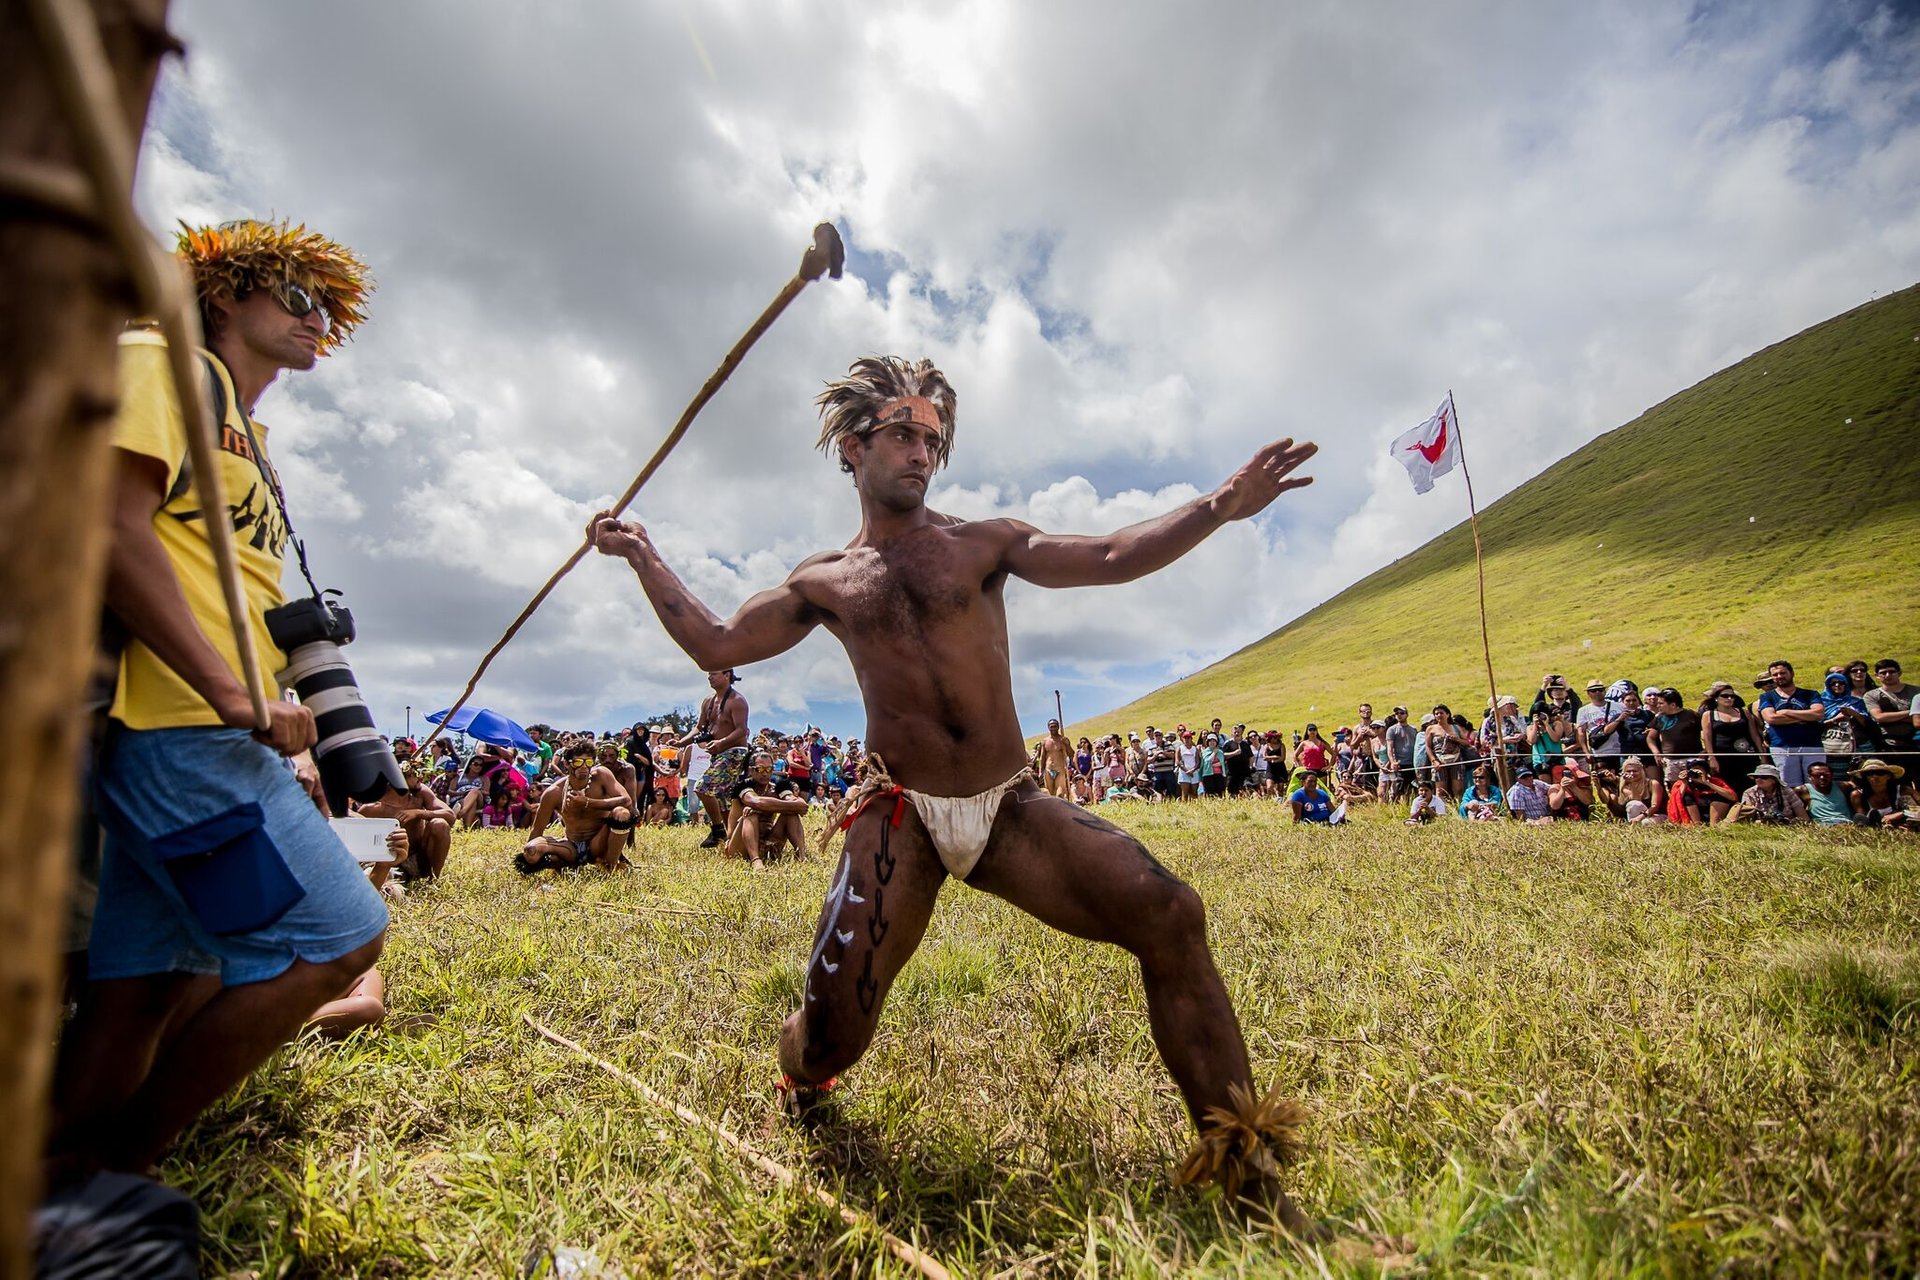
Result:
pixel 612 536
pixel 1268 475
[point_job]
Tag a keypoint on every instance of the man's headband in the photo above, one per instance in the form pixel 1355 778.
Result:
pixel 915 409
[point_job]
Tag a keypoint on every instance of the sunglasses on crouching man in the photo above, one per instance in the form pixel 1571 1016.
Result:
pixel 300 304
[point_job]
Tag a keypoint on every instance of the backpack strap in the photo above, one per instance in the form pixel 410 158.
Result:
pixel 217 392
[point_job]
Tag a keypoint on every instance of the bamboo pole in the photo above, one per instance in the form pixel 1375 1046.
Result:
pixel 1480 572
pixel 825 255
pixel 63 302
pixel 925 1264
pixel 83 80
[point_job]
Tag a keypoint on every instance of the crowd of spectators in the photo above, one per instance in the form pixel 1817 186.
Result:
pixel 1644 753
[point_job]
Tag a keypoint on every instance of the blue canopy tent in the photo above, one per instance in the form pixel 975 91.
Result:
pixel 487 726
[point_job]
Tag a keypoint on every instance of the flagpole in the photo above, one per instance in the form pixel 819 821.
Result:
pixel 1480 571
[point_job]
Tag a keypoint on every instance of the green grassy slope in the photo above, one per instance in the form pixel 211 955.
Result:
pixel 1641 543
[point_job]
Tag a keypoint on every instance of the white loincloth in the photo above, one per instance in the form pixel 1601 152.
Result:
pixel 960 826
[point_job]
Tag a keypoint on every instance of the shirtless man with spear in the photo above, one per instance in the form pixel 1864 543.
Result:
pixel 917 599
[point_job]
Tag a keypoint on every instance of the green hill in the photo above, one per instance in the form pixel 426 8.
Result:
pixel 1771 510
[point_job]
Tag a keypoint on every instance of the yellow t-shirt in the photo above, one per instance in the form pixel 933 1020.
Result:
pixel 149 695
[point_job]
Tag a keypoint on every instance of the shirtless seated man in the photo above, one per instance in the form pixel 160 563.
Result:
pixel 628 777
pixel 588 799
pixel 917 598
pixel 427 821
pixel 764 814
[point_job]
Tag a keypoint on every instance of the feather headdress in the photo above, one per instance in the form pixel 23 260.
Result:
pixel 234 258
pixel 852 406
pixel 1246 1142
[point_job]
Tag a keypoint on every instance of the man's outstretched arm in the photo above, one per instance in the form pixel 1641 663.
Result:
pixel 769 623
pixel 1066 560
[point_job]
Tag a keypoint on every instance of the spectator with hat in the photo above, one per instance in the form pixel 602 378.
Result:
pixel 1769 800
pixel 1881 799
pixel 1279 776
pixel 1527 799
pixel 1601 748
pixel 1504 731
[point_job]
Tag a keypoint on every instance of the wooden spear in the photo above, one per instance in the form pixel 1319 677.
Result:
pixel 825 256
pixel 925 1264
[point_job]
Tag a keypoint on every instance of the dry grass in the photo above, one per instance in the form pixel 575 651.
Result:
pixel 1544 1052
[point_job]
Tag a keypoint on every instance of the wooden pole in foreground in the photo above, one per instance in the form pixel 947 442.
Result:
pixel 63 303
pixel 1480 571
pixel 924 1263
pixel 83 81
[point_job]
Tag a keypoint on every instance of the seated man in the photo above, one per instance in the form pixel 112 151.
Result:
pixel 1829 801
pixel 1528 798
pixel 629 779
pixel 587 798
pixel 427 821
pixel 763 814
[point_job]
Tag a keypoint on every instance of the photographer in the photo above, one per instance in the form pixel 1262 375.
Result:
pixel 228 910
pixel 1697 798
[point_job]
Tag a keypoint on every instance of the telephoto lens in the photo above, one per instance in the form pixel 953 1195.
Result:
pixel 355 761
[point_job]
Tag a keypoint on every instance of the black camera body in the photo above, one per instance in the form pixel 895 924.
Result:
pixel 355 761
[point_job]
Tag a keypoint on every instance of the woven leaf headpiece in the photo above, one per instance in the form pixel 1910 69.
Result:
pixel 235 257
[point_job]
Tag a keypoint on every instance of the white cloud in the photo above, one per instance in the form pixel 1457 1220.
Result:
pixel 1141 240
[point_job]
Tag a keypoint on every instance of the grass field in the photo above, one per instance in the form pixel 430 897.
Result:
pixel 1557 1052
pixel 1778 498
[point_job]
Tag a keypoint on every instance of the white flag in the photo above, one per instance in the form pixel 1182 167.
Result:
pixel 1430 449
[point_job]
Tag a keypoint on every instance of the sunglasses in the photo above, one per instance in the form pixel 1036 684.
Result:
pixel 300 304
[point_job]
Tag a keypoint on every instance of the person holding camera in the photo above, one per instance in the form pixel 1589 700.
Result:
pixel 228 909
pixel 1697 798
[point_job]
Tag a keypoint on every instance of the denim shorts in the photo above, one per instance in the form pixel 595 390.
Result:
pixel 153 784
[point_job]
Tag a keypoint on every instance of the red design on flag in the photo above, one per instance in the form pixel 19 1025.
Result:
pixel 1432 452
pixel 1430 449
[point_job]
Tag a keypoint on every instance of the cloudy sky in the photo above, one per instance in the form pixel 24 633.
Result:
pixel 1141 239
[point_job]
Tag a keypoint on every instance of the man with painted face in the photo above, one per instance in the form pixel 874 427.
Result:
pixel 918 600
pixel 595 813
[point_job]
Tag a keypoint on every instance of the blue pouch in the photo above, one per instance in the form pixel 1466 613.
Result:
pixel 228 871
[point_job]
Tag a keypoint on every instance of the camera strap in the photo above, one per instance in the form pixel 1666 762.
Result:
pixel 219 388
